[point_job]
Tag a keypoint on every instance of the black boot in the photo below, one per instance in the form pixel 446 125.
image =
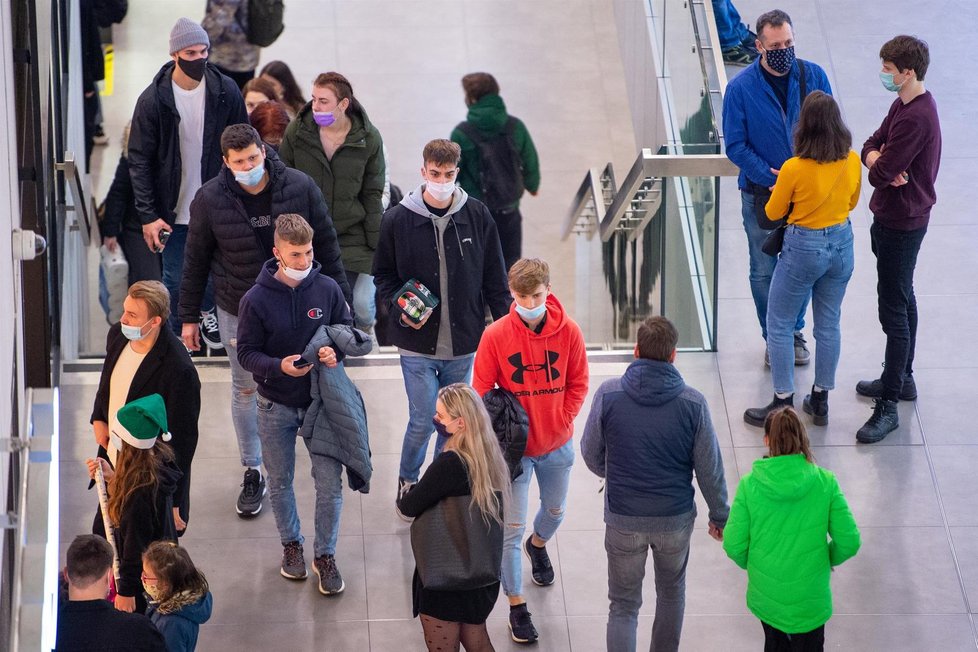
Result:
pixel 883 422
pixel 817 405
pixel 756 416
pixel 874 388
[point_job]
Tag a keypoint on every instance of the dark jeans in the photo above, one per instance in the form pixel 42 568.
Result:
pixel 239 78
pixel 509 224
pixel 173 275
pixel 777 641
pixel 896 258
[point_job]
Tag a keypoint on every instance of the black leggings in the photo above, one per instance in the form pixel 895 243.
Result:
pixel 777 641
pixel 445 636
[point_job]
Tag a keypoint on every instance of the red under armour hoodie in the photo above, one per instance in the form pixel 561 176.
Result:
pixel 547 372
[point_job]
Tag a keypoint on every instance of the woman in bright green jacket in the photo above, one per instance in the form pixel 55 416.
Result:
pixel 789 526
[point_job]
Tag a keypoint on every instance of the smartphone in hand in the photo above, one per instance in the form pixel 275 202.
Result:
pixel 301 364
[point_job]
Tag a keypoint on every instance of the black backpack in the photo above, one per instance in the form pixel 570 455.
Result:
pixel 265 21
pixel 500 165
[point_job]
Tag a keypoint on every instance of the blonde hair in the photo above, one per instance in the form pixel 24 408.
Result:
pixel 786 434
pixel 293 229
pixel 155 295
pixel 478 447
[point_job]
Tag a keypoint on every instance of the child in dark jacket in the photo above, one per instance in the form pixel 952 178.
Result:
pixel 180 601
pixel 140 492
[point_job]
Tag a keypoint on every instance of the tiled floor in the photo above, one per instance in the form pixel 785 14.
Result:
pixel 914 584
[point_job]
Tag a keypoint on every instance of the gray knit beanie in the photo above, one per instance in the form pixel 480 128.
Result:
pixel 187 33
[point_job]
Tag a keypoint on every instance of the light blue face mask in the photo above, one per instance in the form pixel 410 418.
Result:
pixel 887 79
pixel 252 177
pixel 133 333
pixel 531 313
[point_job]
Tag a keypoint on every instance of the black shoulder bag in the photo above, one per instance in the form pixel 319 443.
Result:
pixel 775 240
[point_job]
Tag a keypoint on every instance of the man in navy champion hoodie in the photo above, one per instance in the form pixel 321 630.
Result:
pixel 276 319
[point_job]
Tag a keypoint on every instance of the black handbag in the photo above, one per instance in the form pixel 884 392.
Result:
pixel 775 240
pixel 454 548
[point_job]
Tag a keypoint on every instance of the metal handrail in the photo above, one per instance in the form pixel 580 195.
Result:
pixel 590 203
pixel 86 225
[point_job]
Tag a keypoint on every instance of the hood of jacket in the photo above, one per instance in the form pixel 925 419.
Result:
pixel 555 322
pixel 268 280
pixel 195 608
pixel 414 201
pixel 488 114
pixel 359 126
pixel 169 475
pixel 164 78
pixel 784 478
pixel 652 382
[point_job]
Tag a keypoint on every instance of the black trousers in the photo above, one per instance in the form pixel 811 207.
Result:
pixel 144 265
pixel 509 224
pixel 777 641
pixel 896 258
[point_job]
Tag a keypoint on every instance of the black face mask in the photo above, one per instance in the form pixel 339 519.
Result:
pixel 193 69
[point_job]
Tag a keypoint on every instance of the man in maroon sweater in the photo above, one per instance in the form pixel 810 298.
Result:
pixel 903 157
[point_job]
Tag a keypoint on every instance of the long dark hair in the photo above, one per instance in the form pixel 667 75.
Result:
pixel 786 434
pixel 291 93
pixel 135 469
pixel 821 134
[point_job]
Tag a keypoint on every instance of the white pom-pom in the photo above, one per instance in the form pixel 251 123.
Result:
pixel 166 436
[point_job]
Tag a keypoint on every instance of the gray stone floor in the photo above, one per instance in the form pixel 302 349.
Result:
pixel 913 584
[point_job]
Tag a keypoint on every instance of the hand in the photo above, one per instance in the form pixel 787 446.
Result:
pixel 179 522
pixel 190 334
pixel 151 234
pixel 107 471
pixel 901 179
pixel 101 429
pixel 328 356
pixel 110 243
pixel 417 326
pixel 123 603
pixel 716 531
pixel 289 368
pixel 872 157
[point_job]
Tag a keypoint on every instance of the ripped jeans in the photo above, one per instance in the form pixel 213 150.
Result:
pixel 553 478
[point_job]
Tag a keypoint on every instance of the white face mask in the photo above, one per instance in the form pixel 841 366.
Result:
pixel 295 274
pixel 440 191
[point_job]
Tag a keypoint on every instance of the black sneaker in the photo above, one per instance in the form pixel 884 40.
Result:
pixel 521 627
pixel 874 388
pixel 757 416
pixel 252 491
pixel 209 331
pixel 884 421
pixel 293 562
pixel 738 55
pixel 802 354
pixel 541 570
pixel 330 580
pixel 403 486
pixel 817 405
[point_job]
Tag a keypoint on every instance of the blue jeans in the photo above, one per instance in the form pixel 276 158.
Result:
pixel 364 299
pixel 761 265
pixel 278 426
pixel 173 275
pixel 816 263
pixel 627 553
pixel 553 478
pixel 730 29
pixel 423 377
pixel 243 392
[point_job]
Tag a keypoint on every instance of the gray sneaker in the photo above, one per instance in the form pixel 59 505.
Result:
pixel 802 355
pixel 330 580
pixel 293 562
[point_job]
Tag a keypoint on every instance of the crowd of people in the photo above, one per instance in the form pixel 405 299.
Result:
pixel 267 225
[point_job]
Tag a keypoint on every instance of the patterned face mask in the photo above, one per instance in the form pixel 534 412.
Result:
pixel 780 61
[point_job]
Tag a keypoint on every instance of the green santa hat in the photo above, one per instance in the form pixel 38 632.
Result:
pixel 142 421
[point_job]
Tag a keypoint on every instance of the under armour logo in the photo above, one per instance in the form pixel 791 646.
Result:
pixel 547 367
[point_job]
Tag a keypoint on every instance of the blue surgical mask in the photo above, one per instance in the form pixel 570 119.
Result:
pixel 781 61
pixel 252 177
pixel 531 314
pixel 888 84
pixel 133 333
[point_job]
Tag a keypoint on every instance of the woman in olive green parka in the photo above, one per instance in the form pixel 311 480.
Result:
pixel 333 141
pixel 789 526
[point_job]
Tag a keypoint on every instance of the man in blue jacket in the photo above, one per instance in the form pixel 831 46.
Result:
pixel 276 318
pixel 760 110
pixel 646 434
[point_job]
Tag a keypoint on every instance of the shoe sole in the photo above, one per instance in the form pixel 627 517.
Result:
pixel 802 363
pixel 818 420
pixel 753 422
pixel 244 514
pixel 903 397
pixel 295 578
pixel 319 584
pixel 512 635
pixel 212 346
pixel 533 579
pixel 406 519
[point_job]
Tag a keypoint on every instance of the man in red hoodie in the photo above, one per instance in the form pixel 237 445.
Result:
pixel 536 352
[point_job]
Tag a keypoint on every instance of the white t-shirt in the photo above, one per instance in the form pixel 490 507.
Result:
pixel 119 384
pixel 190 106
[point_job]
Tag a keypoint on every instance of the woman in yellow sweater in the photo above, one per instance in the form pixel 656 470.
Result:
pixel 819 185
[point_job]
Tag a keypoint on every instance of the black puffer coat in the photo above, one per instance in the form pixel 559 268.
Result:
pixel 222 242
pixel 511 424
pixel 154 140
